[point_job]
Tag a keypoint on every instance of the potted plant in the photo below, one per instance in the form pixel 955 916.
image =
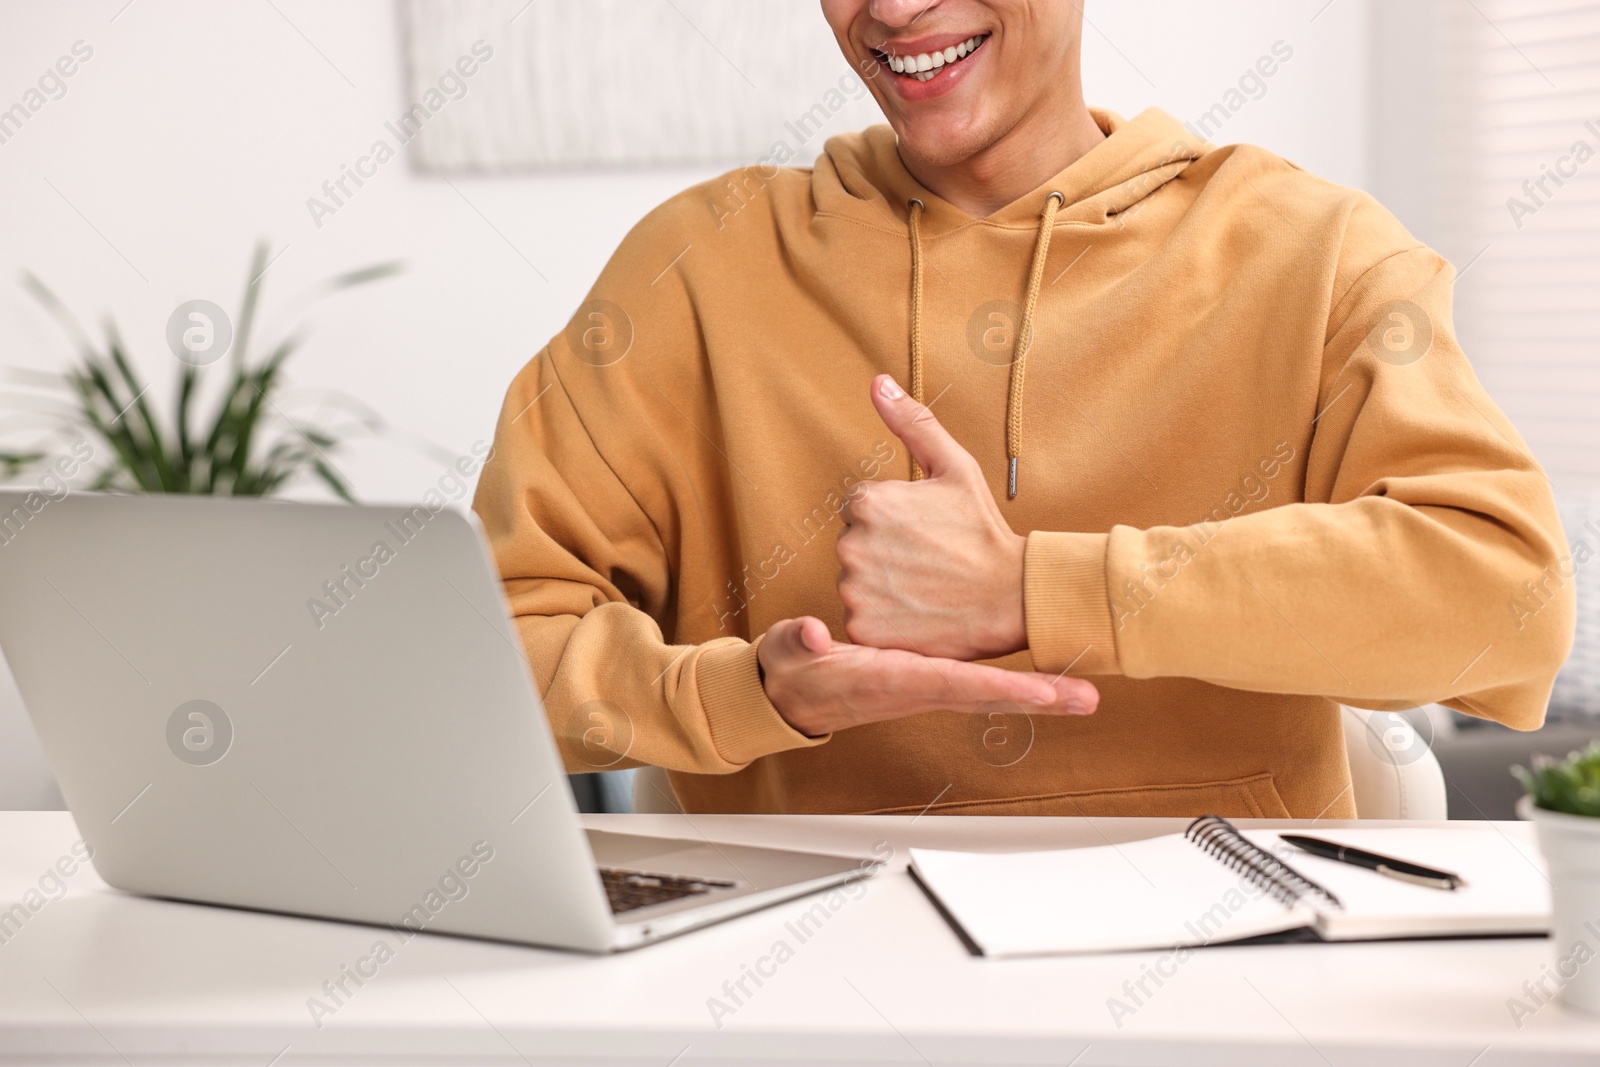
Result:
pixel 1563 803
pixel 250 445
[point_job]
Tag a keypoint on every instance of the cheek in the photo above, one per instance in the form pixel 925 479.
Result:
pixel 842 15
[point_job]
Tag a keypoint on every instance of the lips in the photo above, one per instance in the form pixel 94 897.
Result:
pixel 925 65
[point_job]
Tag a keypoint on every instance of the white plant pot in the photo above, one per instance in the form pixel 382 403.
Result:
pixel 1571 848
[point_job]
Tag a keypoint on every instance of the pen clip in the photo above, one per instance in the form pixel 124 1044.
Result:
pixel 1451 883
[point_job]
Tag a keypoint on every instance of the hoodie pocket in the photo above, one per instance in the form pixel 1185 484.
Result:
pixel 1251 797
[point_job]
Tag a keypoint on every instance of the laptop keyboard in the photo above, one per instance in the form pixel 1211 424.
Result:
pixel 627 890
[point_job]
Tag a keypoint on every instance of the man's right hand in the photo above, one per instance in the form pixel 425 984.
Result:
pixel 820 685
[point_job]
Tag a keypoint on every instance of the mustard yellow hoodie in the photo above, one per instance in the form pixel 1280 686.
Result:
pixel 1257 475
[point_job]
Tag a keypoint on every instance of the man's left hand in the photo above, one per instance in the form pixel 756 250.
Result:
pixel 930 566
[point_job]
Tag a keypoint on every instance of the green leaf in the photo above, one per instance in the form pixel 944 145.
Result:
pixel 186 381
pixel 139 408
pixel 1571 785
pixel 55 307
pixel 15 463
pixel 250 444
pixel 252 296
pixel 331 478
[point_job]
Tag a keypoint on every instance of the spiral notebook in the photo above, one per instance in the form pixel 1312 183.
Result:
pixel 1215 884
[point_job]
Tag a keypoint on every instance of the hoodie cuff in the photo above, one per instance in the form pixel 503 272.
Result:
pixel 744 725
pixel 1067 603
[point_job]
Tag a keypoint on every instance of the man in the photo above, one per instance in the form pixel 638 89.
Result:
pixel 839 502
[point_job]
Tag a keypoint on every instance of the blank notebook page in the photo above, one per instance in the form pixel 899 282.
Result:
pixel 1506 891
pixel 1167 891
pixel 1150 894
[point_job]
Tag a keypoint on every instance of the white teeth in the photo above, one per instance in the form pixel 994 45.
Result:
pixel 925 65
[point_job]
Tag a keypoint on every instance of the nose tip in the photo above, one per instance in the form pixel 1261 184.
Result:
pixel 900 13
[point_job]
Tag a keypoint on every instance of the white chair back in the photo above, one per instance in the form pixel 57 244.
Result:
pixel 652 793
pixel 1392 768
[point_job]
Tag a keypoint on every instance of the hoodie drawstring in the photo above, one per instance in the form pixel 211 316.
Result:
pixel 915 206
pixel 1024 340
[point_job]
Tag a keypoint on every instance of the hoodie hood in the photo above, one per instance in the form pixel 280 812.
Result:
pixel 861 175
pixel 1134 160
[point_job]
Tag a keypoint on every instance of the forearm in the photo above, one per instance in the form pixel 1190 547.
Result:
pixel 617 696
pixel 1372 601
pixel 1422 562
pixel 588 576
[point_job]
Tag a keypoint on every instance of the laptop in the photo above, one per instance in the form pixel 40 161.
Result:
pixel 324 710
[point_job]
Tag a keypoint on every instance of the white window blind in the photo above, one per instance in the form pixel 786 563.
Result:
pixel 1516 186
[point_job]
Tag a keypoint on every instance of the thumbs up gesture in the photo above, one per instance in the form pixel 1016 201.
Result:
pixel 930 566
pixel 931 576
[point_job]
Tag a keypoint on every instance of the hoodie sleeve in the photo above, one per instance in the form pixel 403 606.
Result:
pixel 589 570
pixel 1425 564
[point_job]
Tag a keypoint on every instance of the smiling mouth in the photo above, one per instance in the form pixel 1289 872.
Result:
pixel 924 65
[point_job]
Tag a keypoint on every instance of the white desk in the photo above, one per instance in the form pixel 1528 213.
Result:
pixel 101 977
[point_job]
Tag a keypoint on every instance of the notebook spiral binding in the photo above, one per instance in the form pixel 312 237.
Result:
pixel 1220 838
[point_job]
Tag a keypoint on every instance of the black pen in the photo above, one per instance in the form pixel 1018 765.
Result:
pixel 1388 866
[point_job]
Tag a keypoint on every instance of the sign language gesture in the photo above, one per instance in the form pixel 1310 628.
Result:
pixel 930 566
pixel 820 685
pixel 931 578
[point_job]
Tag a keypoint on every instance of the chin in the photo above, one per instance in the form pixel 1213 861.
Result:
pixel 944 144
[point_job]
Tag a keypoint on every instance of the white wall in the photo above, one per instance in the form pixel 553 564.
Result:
pixel 200 125
pixel 1184 57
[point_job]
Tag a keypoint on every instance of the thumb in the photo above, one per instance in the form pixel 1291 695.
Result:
pixel 929 443
pixel 803 636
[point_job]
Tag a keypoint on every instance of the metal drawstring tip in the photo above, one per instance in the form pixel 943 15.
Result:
pixel 1011 482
